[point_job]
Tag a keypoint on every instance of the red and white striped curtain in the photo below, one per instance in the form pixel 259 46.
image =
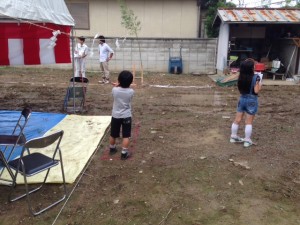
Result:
pixel 28 44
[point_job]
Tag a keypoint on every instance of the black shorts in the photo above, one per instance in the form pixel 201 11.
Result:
pixel 116 125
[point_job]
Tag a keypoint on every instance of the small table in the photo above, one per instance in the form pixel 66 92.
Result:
pixel 274 74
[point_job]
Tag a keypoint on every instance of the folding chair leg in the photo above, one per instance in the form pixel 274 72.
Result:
pixel 32 191
pixel 3 160
pixel 66 100
pixel 55 203
pixel 11 152
pixel 29 192
pixel 59 200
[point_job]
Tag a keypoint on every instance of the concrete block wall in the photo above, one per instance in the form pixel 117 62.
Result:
pixel 198 55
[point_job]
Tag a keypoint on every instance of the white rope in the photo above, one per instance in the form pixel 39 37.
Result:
pixel 92 47
pixel 172 86
pixel 34 24
pixel 79 179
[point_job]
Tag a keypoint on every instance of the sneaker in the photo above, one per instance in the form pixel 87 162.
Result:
pixel 106 82
pixel 248 144
pixel 125 156
pixel 236 140
pixel 113 151
pixel 101 81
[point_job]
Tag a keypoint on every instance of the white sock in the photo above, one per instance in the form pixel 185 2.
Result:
pixel 248 132
pixel 124 150
pixel 234 130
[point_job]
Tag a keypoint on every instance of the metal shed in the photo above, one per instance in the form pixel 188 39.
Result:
pixel 264 34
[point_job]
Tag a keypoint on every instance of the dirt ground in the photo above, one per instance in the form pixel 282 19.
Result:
pixel 183 171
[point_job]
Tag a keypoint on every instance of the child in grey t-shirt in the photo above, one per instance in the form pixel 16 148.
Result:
pixel 121 114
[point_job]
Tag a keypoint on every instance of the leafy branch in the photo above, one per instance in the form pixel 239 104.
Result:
pixel 132 25
pixel 212 8
pixel 129 20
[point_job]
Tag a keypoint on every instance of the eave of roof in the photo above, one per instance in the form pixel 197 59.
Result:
pixel 259 15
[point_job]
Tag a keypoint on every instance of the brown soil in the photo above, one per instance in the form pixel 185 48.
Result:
pixel 181 172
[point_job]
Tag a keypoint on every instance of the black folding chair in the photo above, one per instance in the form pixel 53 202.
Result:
pixel 31 163
pixel 76 95
pixel 17 138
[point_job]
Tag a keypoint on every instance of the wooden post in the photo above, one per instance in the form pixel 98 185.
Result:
pixel 135 77
pixel 142 75
pixel 133 73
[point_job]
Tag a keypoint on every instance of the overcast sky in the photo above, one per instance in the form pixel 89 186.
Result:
pixel 256 3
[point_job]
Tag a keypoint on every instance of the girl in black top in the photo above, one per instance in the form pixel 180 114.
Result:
pixel 249 84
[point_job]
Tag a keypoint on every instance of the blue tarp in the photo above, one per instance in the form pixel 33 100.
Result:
pixel 38 124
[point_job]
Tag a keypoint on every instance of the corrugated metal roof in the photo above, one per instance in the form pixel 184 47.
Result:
pixel 259 15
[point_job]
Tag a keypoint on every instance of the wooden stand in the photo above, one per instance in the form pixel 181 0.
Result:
pixel 135 78
pixel 274 75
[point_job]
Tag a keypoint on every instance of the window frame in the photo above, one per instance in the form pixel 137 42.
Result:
pixel 82 27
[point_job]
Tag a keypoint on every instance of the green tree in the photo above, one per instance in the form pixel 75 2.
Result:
pixel 132 25
pixel 212 7
pixel 288 2
pixel 297 5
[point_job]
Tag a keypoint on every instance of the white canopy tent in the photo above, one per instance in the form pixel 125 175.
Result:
pixel 48 11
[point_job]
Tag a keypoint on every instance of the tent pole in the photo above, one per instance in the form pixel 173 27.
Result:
pixel 73 68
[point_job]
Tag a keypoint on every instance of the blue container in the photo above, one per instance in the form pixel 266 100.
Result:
pixel 175 64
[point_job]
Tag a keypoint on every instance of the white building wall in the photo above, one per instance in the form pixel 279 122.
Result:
pixel 159 18
pixel 222 47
